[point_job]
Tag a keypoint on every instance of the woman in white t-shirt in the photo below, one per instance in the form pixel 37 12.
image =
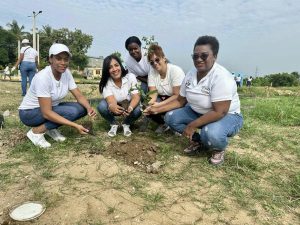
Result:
pixel 136 62
pixel 43 108
pixel 120 97
pixel 164 80
pixel 28 64
pixel 213 103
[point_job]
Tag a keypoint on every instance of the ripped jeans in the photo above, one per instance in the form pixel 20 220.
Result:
pixel 213 135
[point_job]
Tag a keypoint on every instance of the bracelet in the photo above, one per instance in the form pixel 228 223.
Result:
pixel 130 107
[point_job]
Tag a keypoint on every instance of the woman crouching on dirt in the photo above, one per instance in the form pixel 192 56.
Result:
pixel 164 80
pixel 119 98
pixel 42 107
pixel 214 105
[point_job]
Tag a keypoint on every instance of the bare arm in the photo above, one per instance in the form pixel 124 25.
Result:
pixel 21 57
pixel 135 99
pixel 175 95
pixel 49 114
pixel 83 101
pixel 176 103
pixel 113 105
pixel 220 109
pixel 152 96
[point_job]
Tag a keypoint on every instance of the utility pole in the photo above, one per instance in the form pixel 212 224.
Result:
pixel 34 15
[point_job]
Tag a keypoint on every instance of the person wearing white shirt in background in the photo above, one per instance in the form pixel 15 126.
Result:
pixel 43 108
pixel 28 64
pixel 164 78
pixel 7 73
pixel 136 62
pixel 116 86
pixel 213 113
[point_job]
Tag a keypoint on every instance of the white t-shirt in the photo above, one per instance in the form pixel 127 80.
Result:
pixel 217 85
pixel 238 79
pixel 120 94
pixel 29 54
pixel 174 77
pixel 45 85
pixel 140 68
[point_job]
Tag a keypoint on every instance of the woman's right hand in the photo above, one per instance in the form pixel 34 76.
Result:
pixel 116 109
pixel 81 129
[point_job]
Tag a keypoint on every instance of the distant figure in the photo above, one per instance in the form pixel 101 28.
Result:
pixel 28 64
pixel 7 72
pixel 238 80
pixel 249 81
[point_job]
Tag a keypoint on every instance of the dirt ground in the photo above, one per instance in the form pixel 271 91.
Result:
pixel 141 180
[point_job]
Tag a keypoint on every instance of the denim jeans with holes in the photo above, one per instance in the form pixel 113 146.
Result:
pixel 110 117
pixel 213 135
pixel 69 110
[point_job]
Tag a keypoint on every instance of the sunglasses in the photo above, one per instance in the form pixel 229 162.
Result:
pixel 157 60
pixel 202 56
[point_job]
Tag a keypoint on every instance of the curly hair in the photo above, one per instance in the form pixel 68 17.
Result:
pixel 208 40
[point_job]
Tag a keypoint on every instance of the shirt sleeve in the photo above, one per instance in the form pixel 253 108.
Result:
pixel 42 86
pixel 133 82
pixel 183 87
pixel 71 82
pixel 222 88
pixel 151 80
pixel 22 50
pixel 177 76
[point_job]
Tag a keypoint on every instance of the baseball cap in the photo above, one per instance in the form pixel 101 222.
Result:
pixel 57 48
pixel 25 41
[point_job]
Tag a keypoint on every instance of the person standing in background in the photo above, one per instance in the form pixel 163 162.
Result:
pixel 27 62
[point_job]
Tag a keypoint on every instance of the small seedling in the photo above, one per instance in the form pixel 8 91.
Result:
pixel 145 97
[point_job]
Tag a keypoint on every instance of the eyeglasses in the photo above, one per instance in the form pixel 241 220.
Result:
pixel 202 56
pixel 157 60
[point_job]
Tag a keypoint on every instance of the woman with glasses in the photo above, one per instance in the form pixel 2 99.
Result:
pixel 213 113
pixel 164 80
pixel 120 97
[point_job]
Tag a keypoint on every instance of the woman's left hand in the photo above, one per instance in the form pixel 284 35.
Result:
pixel 91 112
pixel 128 111
pixel 189 131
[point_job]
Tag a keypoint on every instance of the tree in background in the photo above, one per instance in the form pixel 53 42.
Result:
pixel 17 30
pixel 77 42
pixel 119 55
pixel 148 41
pixel 8 47
pixel 278 80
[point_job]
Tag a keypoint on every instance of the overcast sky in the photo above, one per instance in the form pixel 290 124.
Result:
pixel 252 33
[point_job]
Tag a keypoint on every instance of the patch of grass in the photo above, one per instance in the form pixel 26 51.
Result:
pixel 152 200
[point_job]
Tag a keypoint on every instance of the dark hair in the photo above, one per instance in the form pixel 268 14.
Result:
pixel 208 40
pixel 132 39
pixel 155 49
pixel 105 70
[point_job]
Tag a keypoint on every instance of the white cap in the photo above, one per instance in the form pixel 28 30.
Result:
pixel 25 41
pixel 57 48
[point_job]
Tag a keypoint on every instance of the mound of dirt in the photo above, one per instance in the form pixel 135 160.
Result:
pixel 135 153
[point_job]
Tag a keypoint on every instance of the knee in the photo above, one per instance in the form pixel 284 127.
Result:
pixel 170 118
pixel 137 112
pixel 213 138
pixel 78 111
pixel 102 107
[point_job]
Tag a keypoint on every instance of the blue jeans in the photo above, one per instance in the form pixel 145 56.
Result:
pixel 144 87
pixel 110 117
pixel 213 135
pixel 27 69
pixel 70 110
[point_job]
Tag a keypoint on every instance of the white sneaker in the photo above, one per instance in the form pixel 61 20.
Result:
pixel 56 135
pixel 38 139
pixel 113 130
pixel 126 129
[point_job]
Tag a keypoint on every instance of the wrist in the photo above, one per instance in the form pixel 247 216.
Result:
pixel 130 108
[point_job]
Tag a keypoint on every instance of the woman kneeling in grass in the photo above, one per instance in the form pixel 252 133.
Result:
pixel 116 88
pixel 42 107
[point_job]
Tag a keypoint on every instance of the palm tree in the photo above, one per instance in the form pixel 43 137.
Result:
pixel 17 30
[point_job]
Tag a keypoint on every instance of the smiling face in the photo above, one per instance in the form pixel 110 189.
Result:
pixel 115 70
pixel 135 51
pixel 200 53
pixel 59 63
pixel 158 63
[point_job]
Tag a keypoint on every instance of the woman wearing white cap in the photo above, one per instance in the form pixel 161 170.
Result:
pixel 42 107
pixel 28 64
